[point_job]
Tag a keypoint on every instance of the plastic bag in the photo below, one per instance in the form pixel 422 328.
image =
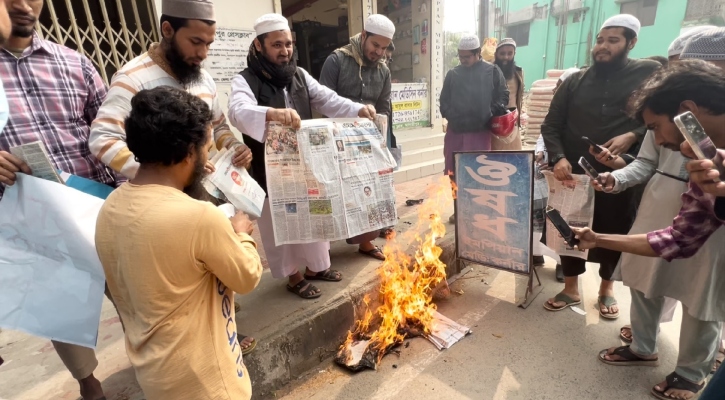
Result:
pixel 488 49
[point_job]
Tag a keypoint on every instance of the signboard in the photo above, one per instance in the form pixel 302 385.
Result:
pixel 228 54
pixel 494 209
pixel 410 105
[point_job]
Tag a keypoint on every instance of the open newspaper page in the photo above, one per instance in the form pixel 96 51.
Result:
pixel 328 180
pixel 36 156
pixel 237 185
pixel 575 201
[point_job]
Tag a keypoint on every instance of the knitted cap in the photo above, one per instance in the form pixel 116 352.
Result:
pixel 708 46
pixel 189 9
pixel 469 42
pixel 623 21
pixel 380 25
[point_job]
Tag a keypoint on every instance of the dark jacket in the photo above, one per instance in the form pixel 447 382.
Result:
pixel 519 76
pixel 468 95
pixel 268 95
pixel 365 85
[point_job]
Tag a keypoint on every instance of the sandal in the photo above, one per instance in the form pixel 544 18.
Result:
pixel 607 301
pixel 718 361
pixel 375 253
pixel 623 337
pixel 249 348
pixel 561 297
pixel 328 275
pixel 310 293
pixel 675 381
pixel 630 359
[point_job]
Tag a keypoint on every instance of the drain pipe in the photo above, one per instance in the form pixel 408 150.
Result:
pixel 546 38
pixel 581 32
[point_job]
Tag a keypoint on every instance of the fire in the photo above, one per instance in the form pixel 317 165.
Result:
pixel 406 282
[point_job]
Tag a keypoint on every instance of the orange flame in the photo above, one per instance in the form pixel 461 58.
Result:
pixel 407 282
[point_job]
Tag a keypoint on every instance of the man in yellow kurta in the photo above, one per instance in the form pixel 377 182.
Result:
pixel 173 263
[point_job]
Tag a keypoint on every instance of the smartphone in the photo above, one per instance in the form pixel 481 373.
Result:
pixel 564 229
pixel 588 169
pixel 597 148
pixel 701 144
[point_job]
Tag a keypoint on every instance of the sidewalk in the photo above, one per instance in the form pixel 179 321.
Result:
pixel 294 335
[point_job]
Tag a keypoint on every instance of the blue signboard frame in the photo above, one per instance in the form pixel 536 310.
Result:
pixel 494 209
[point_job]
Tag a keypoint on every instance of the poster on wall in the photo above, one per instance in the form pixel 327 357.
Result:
pixel 495 206
pixel 228 54
pixel 425 27
pixel 416 34
pixel 410 105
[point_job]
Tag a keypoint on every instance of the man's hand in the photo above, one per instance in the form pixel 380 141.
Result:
pixel 705 175
pixel 604 183
pixel 242 156
pixel 562 170
pixel 367 111
pixel 209 167
pixel 241 223
pixel 285 116
pixel 587 238
pixel 621 144
pixel 9 165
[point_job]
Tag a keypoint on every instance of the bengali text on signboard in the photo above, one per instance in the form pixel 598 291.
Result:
pixel 410 105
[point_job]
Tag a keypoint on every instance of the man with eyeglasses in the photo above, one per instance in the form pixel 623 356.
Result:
pixel 471 93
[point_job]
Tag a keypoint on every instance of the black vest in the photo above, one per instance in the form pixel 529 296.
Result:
pixel 268 95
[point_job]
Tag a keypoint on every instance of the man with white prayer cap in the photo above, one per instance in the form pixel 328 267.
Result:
pixel 357 71
pixel 707 45
pixel 591 104
pixel 505 59
pixel 677 45
pixel 273 88
pixel 472 94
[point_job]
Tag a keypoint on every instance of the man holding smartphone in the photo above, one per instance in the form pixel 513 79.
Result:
pixel 697 87
pixel 590 104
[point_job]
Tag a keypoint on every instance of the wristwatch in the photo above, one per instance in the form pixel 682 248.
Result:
pixel 555 159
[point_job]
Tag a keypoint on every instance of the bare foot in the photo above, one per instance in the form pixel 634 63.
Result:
pixel 626 332
pixel 677 394
pixel 246 342
pixel 91 388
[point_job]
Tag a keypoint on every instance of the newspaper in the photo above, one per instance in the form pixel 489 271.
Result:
pixel 36 156
pixel 575 201
pixel 446 332
pixel 330 180
pixel 236 185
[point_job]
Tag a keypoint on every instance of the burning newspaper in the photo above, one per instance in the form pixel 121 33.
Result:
pixel 36 156
pixel 330 180
pixel 242 191
pixel 575 201
pixel 446 332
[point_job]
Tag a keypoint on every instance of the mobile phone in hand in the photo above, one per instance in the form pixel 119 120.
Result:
pixel 564 229
pixel 588 169
pixel 701 144
pixel 597 148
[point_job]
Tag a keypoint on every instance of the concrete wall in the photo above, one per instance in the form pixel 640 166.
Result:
pixel 541 52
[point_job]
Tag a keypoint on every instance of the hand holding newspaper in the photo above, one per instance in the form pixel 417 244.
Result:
pixel 36 156
pixel 242 191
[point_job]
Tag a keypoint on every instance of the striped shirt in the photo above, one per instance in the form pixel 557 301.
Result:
pixel 108 134
pixel 53 96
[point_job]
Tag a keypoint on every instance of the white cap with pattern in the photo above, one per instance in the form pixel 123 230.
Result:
pixel 708 46
pixel 270 23
pixel 678 44
pixel 469 42
pixel 623 21
pixel 380 25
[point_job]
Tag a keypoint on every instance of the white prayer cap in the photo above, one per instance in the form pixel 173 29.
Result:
pixel 506 42
pixel 380 25
pixel 623 21
pixel 708 46
pixel 469 42
pixel 567 73
pixel 678 44
pixel 270 23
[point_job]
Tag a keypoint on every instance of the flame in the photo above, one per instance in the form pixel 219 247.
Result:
pixel 407 282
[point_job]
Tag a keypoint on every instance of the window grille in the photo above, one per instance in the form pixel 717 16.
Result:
pixel 110 33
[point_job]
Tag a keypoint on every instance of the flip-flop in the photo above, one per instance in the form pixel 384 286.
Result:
pixel 375 253
pixel 328 275
pixel 630 359
pixel 607 301
pixel 718 361
pixel 675 381
pixel 561 297
pixel 623 338
pixel 309 293
pixel 251 346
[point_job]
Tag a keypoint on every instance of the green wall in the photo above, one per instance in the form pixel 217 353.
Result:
pixel 541 53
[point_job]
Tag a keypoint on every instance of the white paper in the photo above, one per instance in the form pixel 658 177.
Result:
pixel 330 180
pixel 446 332
pixel 575 201
pixel 51 280
pixel 237 185
pixel 36 156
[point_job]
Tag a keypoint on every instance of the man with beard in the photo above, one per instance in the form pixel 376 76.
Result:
pixel 188 28
pixel 54 93
pixel 272 88
pixel 506 61
pixel 358 72
pixel 687 86
pixel 591 103
pixel 173 263
pixel 472 93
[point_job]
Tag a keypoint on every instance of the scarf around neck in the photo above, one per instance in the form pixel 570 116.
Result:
pixel 280 77
pixel 355 50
